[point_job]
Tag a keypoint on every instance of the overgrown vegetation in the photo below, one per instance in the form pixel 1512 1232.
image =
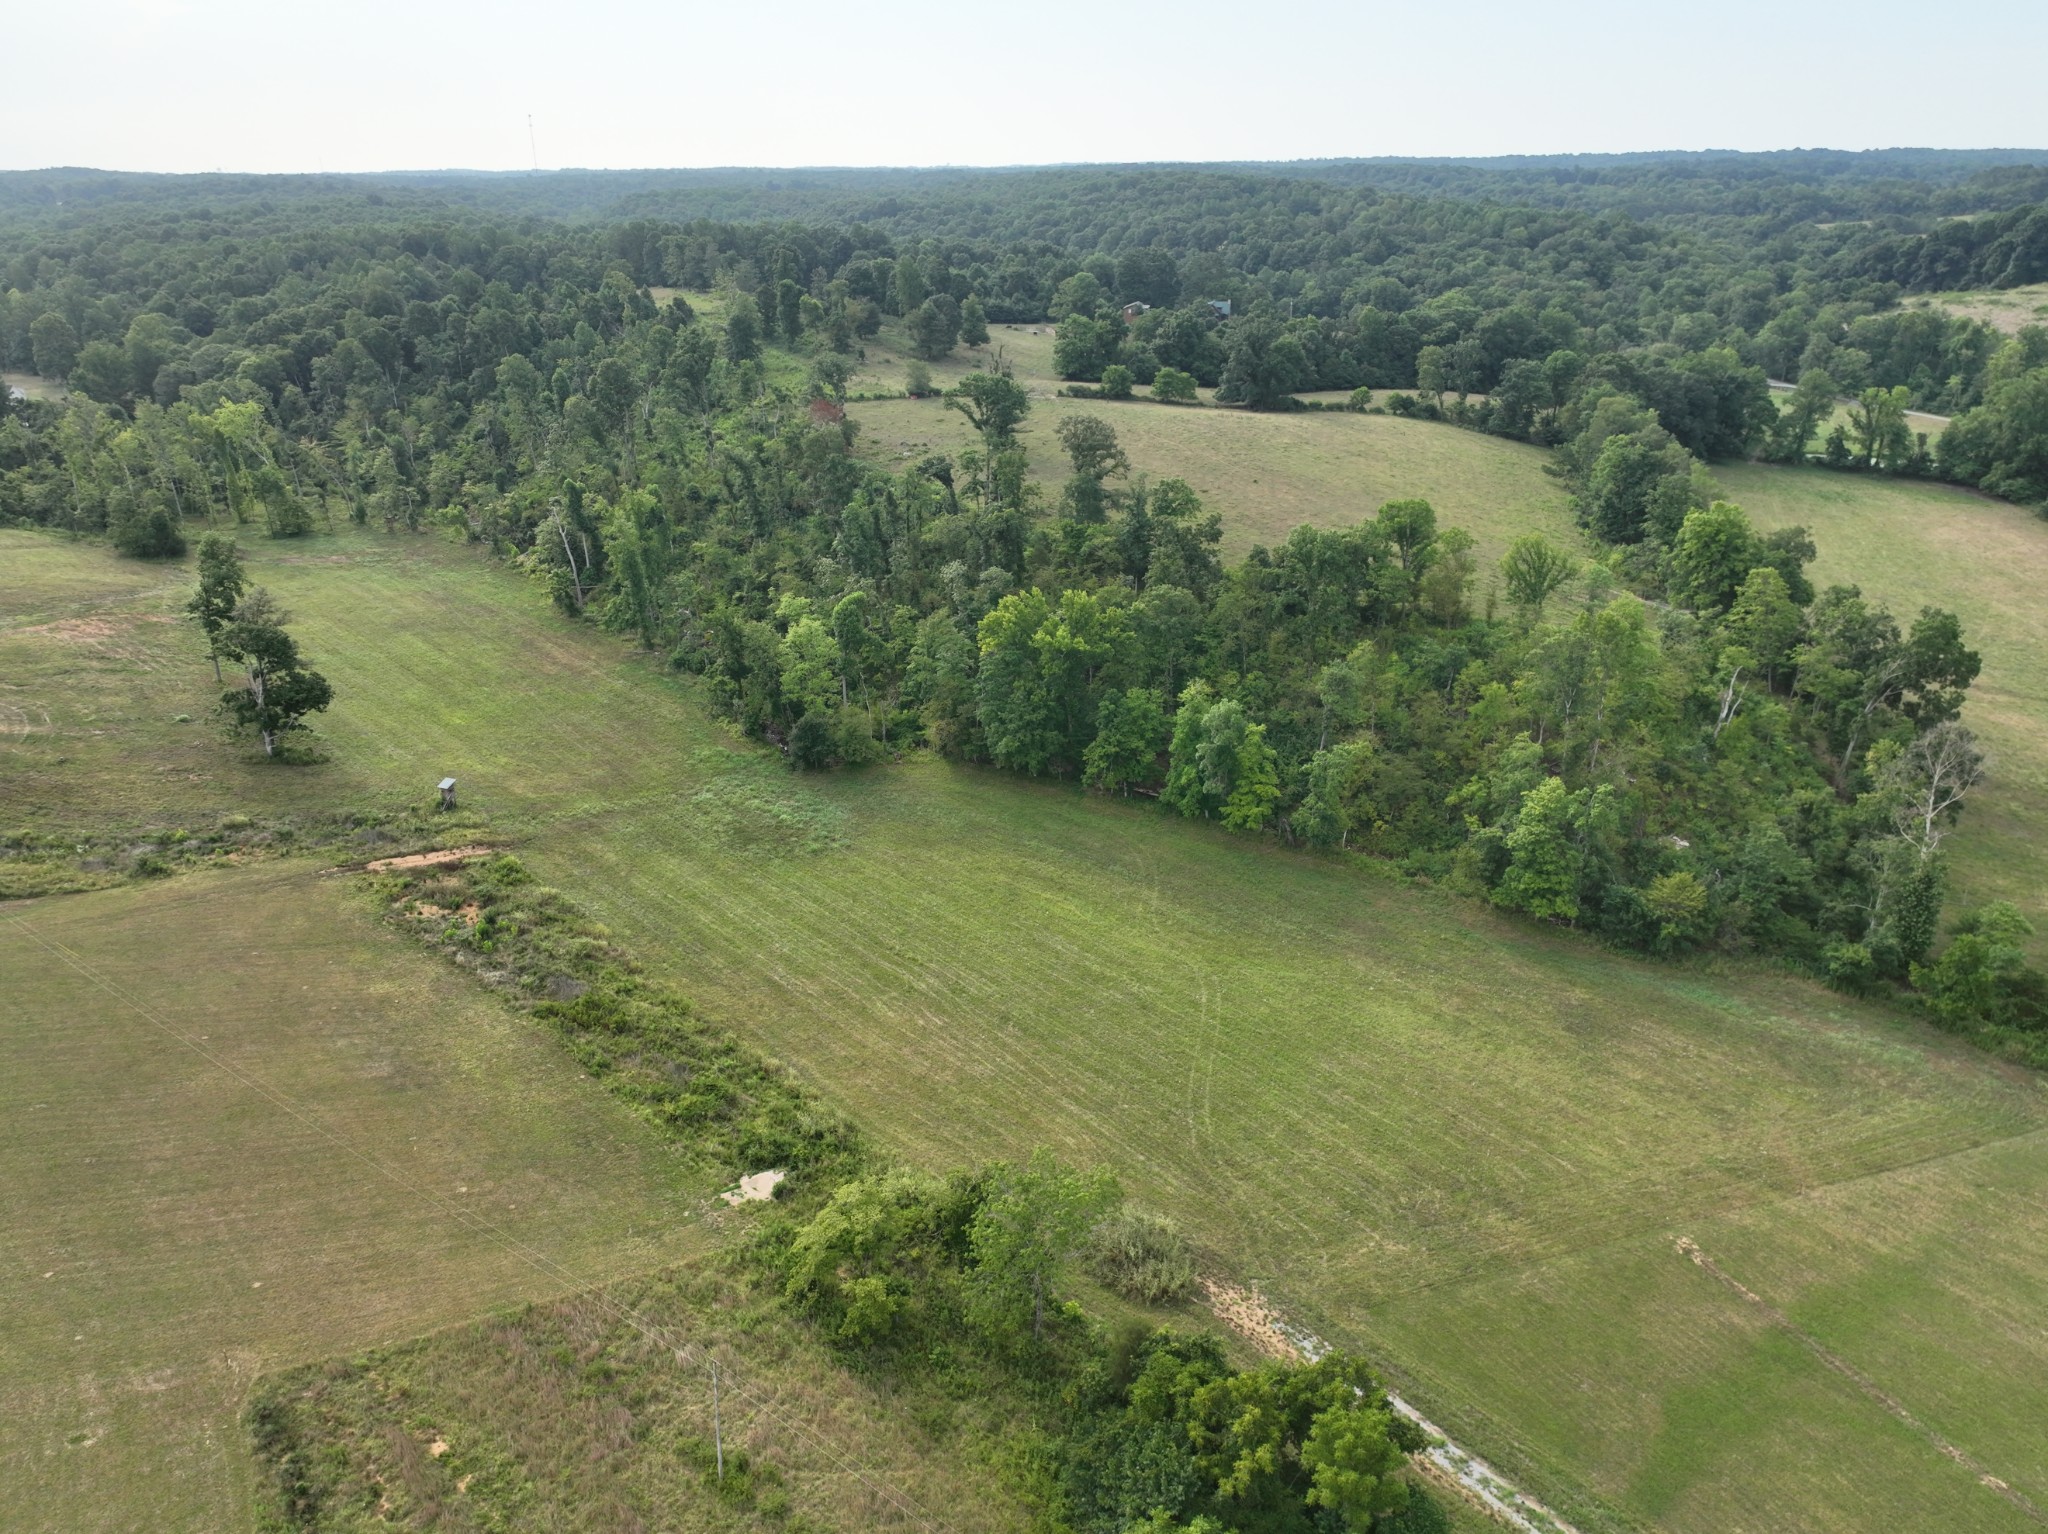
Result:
pixel 714 1097
pixel 75 858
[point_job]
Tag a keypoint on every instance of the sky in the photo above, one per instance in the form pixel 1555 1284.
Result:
pixel 278 85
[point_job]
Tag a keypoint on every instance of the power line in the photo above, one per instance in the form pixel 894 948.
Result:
pixel 540 1261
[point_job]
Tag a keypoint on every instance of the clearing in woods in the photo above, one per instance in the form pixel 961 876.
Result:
pixel 2006 309
pixel 1269 474
pixel 1507 1131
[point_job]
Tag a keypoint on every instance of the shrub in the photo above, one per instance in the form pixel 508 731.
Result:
pixel 1170 386
pixel 1142 1256
pixel 1850 968
pixel 1116 381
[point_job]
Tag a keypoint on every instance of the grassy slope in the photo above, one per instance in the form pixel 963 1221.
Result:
pixel 1270 474
pixel 169 1233
pixel 1460 1141
pixel 2006 309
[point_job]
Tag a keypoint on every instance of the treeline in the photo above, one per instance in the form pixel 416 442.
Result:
pixel 1367 279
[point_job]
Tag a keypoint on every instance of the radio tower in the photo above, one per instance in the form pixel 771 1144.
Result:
pixel 531 145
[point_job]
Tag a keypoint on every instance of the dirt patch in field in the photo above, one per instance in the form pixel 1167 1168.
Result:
pixel 1245 1312
pixel 753 1188
pixel 444 859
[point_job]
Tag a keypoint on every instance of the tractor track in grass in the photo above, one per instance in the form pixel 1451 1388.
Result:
pixel 1688 1248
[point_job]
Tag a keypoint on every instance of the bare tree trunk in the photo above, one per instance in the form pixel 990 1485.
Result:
pixel 570 554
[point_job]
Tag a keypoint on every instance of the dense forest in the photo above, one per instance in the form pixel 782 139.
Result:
pixel 1680 745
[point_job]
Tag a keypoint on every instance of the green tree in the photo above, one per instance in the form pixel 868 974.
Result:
pixel 1764 621
pixel 973 322
pixel 53 345
pixel 2002 445
pixel 1877 427
pixel 1265 364
pixel 1542 876
pixel 1130 730
pixel 870 1263
pixel 1170 386
pixel 910 288
pixel 1185 790
pixel 1982 976
pixel 1255 783
pixel 1533 569
pixel 1081 294
pixel 810 667
pixel 1354 1465
pixel 1715 550
pixel 221 584
pixel 1116 381
pixel 933 327
pixel 1083 347
pixel 742 332
pixel 1032 1225
pixel 100 371
pixel 1811 403
pixel 1092 449
pixel 281 691
pixel 995 406
pixel 1332 808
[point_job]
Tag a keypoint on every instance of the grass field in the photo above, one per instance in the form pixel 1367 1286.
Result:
pixel 1919 421
pixel 1269 474
pixel 170 1232
pixel 1463 1143
pixel 34 387
pixel 2006 309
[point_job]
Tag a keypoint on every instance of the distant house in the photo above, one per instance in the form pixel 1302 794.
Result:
pixel 825 413
pixel 1133 310
pixel 1221 306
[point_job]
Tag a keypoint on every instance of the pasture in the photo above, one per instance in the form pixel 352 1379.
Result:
pixel 1269 474
pixel 1465 1144
pixel 171 1230
pixel 2006 309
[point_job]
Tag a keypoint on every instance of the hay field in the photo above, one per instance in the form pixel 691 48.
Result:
pixel 1269 474
pixel 171 1231
pixel 1463 1143
pixel 2006 309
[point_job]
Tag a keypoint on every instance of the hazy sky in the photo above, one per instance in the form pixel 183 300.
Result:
pixel 379 84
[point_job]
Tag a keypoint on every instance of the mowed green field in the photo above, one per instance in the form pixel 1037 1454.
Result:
pixel 1465 1144
pixel 1269 474
pixel 169 1230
